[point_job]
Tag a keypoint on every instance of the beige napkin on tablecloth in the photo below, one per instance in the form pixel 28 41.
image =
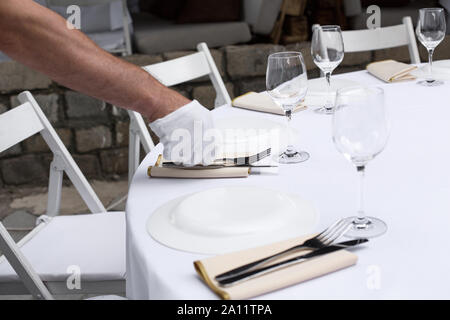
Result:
pixel 261 102
pixel 391 70
pixel 211 267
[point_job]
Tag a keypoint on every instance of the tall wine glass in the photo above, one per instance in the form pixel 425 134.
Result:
pixel 430 30
pixel 286 83
pixel 360 133
pixel 327 50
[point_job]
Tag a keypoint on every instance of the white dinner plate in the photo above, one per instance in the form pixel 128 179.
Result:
pixel 317 90
pixel 247 134
pixel 228 219
pixel 441 70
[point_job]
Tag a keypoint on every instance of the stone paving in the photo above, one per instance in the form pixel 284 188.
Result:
pixel 19 207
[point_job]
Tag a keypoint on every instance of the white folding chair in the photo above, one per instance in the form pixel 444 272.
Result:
pixel 62 251
pixel 171 73
pixel 105 36
pixel 383 38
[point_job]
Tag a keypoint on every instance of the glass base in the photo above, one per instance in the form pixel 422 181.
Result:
pixel 368 227
pixel 325 110
pixel 293 157
pixel 430 83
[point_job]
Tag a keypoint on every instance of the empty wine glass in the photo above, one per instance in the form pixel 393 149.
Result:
pixel 430 30
pixel 327 50
pixel 360 133
pixel 286 83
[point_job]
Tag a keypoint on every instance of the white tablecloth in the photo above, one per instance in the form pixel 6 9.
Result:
pixel 408 186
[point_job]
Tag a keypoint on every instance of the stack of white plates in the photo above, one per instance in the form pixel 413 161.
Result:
pixel 251 135
pixel 228 219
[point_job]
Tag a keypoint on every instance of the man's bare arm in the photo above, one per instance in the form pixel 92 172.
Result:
pixel 40 39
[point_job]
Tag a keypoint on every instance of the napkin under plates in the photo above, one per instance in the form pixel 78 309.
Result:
pixel 158 170
pixel 209 268
pixel 261 102
pixel 391 70
pixel 231 172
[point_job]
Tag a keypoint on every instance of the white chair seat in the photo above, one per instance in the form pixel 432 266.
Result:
pixel 93 242
pixel 64 249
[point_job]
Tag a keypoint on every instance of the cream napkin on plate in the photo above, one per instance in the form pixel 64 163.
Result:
pixel 211 267
pixel 391 70
pixel 261 102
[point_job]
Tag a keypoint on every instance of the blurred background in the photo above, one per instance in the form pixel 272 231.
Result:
pixel 240 33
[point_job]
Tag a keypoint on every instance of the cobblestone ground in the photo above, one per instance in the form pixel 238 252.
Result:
pixel 20 207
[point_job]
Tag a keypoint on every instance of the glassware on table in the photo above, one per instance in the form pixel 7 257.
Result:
pixel 327 50
pixel 360 133
pixel 431 29
pixel 287 84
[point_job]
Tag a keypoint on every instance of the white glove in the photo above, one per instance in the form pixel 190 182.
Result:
pixel 188 135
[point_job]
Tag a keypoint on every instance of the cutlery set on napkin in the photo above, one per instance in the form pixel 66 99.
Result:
pixel 239 167
pixel 253 272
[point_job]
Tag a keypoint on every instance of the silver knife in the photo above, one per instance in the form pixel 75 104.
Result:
pixel 283 264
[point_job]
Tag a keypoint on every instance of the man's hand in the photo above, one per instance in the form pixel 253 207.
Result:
pixel 40 39
pixel 187 135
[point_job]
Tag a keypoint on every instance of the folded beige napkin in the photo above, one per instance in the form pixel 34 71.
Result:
pixel 391 70
pixel 161 172
pixel 157 171
pixel 261 102
pixel 211 267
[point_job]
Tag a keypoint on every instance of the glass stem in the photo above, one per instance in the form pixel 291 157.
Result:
pixel 361 217
pixel 430 63
pixel 328 105
pixel 290 147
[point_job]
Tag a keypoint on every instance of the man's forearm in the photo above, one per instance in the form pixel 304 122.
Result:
pixel 40 39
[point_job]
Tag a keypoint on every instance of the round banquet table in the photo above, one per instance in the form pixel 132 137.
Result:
pixel 407 185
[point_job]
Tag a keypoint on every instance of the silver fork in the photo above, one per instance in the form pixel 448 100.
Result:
pixel 323 239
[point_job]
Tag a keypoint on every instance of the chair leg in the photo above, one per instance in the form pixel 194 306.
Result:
pixel 133 152
pixel 23 269
pixel 55 187
pixel 126 29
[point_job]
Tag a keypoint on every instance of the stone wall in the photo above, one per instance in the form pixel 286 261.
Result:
pixel 97 135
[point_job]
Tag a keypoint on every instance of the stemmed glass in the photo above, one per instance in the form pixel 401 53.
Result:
pixel 327 50
pixel 286 83
pixel 360 133
pixel 431 30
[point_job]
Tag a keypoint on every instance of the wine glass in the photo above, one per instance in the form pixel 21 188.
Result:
pixel 327 50
pixel 431 30
pixel 286 83
pixel 360 133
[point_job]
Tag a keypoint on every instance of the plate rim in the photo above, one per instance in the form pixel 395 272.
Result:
pixel 211 245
